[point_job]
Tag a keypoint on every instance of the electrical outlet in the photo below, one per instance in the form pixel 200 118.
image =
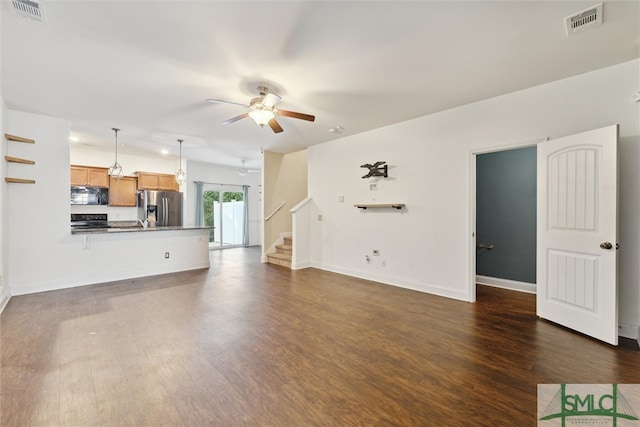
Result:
pixel 384 263
pixel 166 255
pixel 376 252
pixel 373 187
pixel 367 259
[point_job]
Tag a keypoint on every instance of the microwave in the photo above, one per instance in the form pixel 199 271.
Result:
pixel 89 196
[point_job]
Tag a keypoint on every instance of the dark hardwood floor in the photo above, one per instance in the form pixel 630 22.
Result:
pixel 251 344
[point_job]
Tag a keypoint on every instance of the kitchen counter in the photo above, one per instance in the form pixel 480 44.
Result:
pixel 129 229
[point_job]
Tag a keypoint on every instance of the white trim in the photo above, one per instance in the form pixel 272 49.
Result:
pixel 421 287
pixel 471 191
pixel 513 285
pixel 301 265
pixel 300 205
pixel 4 302
pixel 629 330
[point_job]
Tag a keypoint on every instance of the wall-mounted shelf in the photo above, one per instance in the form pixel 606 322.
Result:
pixel 20 180
pixel 19 139
pixel 380 205
pixel 12 159
pixel 19 160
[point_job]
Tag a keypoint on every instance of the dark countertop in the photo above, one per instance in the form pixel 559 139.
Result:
pixel 133 229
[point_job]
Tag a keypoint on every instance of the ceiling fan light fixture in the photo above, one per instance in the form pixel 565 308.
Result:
pixel 115 170
pixel 181 177
pixel 262 116
pixel 243 171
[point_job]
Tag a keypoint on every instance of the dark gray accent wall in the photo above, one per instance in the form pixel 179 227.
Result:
pixel 506 214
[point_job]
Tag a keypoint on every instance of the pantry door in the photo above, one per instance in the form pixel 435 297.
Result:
pixel 577 230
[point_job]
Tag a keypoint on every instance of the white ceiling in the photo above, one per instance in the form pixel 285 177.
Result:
pixel 148 67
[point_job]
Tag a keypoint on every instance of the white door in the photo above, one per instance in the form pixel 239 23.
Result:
pixel 577 211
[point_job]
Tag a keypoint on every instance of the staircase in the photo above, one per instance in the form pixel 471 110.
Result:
pixel 282 255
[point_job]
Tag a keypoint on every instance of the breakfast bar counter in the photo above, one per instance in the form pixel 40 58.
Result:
pixel 129 229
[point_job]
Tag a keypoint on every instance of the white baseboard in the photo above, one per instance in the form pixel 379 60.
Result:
pixel 5 295
pixel 393 281
pixel 506 284
pixel 4 302
pixel 629 330
pixel 301 265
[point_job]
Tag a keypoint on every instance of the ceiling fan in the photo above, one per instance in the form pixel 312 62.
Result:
pixel 262 110
pixel 243 171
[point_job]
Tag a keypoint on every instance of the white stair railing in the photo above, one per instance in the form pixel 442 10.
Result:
pixel 268 217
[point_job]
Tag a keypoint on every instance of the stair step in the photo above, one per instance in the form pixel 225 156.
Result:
pixel 285 257
pixel 284 249
pixel 288 241
pixel 283 260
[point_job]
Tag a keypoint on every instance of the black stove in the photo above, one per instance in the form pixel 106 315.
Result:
pixel 86 221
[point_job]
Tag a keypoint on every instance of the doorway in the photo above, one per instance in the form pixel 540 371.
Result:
pixel 224 209
pixel 506 219
pixel 473 213
pixel 576 232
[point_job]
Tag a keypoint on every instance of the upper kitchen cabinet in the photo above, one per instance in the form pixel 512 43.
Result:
pixel 157 181
pixel 89 176
pixel 123 191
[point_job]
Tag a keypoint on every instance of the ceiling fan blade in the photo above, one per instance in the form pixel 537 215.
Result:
pixel 301 116
pixel 235 119
pixel 270 99
pixel 220 101
pixel 275 126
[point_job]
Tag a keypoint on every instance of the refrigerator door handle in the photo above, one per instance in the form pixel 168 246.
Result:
pixel 166 211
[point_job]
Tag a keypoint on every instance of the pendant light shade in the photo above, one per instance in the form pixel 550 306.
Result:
pixel 115 170
pixel 181 177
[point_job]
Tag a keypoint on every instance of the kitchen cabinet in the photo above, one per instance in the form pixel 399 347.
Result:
pixel 157 181
pixel 123 191
pixel 89 176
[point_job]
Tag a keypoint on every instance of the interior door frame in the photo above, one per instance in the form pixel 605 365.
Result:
pixel 220 188
pixel 473 153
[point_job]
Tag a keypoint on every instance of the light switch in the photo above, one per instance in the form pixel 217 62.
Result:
pixel 341 199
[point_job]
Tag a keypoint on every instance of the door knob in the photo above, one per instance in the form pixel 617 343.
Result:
pixel 606 245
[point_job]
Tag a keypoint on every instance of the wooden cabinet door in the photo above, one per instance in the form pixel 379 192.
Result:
pixel 79 175
pixel 167 182
pixel 98 177
pixel 147 181
pixel 123 191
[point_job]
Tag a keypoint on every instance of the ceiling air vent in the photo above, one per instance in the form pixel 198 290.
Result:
pixel 583 21
pixel 31 9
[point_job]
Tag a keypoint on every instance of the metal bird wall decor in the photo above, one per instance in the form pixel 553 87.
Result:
pixel 376 169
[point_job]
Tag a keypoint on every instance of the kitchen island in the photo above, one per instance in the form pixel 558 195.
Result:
pixel 115 228
pixel 126 251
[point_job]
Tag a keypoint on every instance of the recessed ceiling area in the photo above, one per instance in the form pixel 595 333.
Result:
pixel 149 67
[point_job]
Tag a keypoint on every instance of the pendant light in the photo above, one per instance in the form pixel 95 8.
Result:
pixel 115 170
pixel 181 177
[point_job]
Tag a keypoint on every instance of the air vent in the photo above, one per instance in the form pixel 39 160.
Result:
pixel 29 9
pixel 583 21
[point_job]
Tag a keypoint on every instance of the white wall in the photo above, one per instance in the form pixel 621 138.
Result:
pixel 218 174
pixel 42 254
pixel 4 289
pixel 427 245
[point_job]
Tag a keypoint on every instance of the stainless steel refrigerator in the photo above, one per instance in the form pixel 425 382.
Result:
pixel 165 207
